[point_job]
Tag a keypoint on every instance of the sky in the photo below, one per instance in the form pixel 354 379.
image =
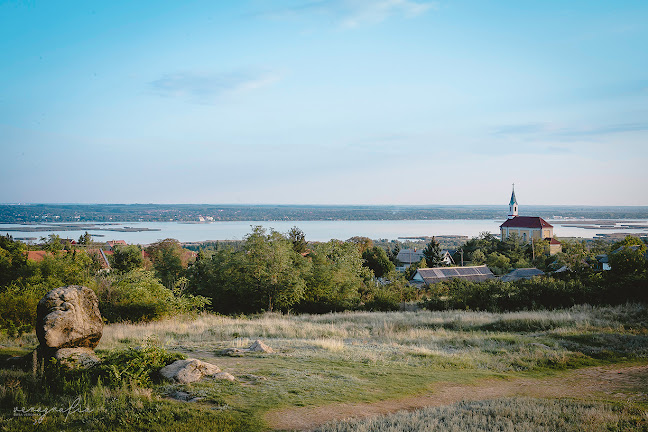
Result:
pixel 324 102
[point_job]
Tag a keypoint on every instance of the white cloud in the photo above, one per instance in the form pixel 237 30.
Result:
pixel 206 87
pixel 355 13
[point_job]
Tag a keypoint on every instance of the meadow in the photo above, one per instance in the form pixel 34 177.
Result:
pixel 332 366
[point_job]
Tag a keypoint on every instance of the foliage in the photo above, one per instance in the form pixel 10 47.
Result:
pixel 126 258
pixel 298 239
pixel 377 260
pixel 135 367
pixel 432 254
pixel 139 296
pixel 169 260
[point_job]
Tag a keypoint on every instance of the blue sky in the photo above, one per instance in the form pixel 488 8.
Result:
pixel 324 102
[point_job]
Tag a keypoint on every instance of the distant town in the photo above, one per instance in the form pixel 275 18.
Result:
pixel 43 213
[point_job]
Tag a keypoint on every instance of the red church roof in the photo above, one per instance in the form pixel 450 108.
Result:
pixel 526 222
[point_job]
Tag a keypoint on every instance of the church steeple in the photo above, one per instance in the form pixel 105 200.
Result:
pixel 513 205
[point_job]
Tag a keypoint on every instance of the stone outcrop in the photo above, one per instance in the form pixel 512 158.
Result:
pixel 69 326
pixel 68 317
pixel 190 370
pixel 258 346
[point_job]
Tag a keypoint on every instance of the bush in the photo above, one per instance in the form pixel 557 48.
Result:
pixel 135 367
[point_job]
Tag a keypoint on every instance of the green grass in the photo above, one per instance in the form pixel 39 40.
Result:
pixel 323 359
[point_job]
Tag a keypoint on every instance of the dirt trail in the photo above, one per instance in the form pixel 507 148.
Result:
pixel 611 382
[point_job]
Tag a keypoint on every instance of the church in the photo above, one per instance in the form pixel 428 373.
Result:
pixel 528 228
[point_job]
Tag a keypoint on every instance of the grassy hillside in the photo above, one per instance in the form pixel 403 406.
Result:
pixel 320 360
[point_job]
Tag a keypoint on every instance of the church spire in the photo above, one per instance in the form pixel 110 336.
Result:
pixel 513 205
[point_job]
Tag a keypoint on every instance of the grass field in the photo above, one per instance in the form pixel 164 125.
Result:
pixel 358 357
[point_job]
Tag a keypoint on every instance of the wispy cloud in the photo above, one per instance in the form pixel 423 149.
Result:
pixel 543 130
pixel 354 13
pixel 207 87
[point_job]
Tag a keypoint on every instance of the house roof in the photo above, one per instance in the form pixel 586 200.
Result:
pixel 409 256
pixel 522 273
pixel 526 222
pixel 471 273
pixel 553 241
pixel 117 242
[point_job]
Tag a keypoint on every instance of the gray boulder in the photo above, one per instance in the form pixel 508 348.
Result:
pixel 190 370
pixel 77 357
pixel 68 317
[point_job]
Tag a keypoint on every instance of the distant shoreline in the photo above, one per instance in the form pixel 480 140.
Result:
pixel 197 213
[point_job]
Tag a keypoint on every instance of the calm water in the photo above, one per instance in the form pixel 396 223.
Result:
pixel 314 230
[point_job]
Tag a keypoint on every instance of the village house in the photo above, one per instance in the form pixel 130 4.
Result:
pixel 528 228
pixel 439 274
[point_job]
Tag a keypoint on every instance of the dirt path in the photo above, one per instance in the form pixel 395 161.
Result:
pixel 612 382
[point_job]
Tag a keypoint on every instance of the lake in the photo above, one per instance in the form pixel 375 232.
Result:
pixel 314 230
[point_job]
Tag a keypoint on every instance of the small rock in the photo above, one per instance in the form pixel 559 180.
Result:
pixel 180 395
pixel 190 370
pixel 233 351
pixel 259 346
pixel 77 357
pixel 224 376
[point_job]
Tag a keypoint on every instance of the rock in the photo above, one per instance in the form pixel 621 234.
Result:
pixel 259 346
pixel 68 317
pixel 190 370
pixel 224 376
pixel 180 395
pixel 233 351
pixel 77 357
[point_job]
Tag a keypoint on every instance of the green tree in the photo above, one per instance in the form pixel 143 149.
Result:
pixel 126 258
pixel 376 259
pixel 432 253
pixel 628 260
pixel 273 267
pixel 298 239
pixel 169 260
pixel 52 243
pixel 335 280
pixel 478 257
pixel 13 261
pixel 498 263
pixel 362 243
pixel 85 239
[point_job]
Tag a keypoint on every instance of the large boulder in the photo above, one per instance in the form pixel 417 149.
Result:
pixel 68 317
pixel 190 370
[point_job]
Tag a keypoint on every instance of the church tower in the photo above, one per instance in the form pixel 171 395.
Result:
pixel 513 205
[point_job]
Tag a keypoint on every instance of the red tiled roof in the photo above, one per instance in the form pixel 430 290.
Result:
pixel 526 222
pixel 38 255
pixel 553 241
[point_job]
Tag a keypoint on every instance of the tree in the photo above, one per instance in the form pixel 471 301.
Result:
pixel 627 260
pixel 363 243
pixel 52 243
pixel 376 259
pixel 273 267
pixel 498 263
pixel 478 257
pixel 169 260
pixel 393 254
pixel 432 253
pixel 298 239
pixel 126 258
pixel 85 239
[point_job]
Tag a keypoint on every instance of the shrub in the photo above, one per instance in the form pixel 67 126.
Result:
pixel 135 367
